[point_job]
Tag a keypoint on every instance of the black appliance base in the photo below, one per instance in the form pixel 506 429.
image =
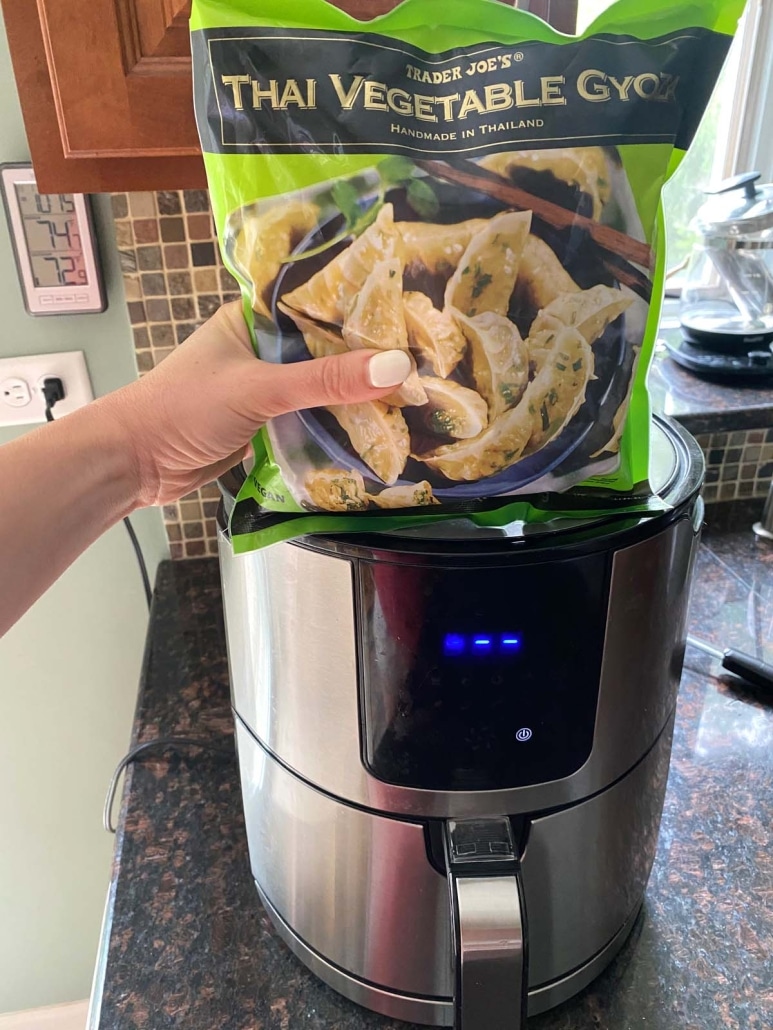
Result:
pixel 751 366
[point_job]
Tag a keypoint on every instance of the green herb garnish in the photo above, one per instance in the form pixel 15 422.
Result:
pixel 442 422
pixel 348 200
pixel 396 171
pixel 506 392
pixel 423 198
pixel 392 172
pixel 482 281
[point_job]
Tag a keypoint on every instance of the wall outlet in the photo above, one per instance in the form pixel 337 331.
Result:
pixel 21 380
pixel 15 392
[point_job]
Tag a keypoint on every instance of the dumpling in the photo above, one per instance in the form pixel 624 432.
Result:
pixel 497 358
pixel 414 495
pixel 266 241
pixel 538 347
pixel 336 490
pixel 558 391
pixel 379 434
pixel 452 409
pixel 485 278
pixel 376 320
pixel 328 294
pixel 322 341
pixel 437 248
pixel 612 445
pixel 590 311
pixel 585 168
pixel 433 336
pixel 497 447
pixel 550 402
pixel 376 316
pixel 541 276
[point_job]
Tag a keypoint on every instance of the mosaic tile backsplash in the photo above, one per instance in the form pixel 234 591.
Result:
pixel 175 280
pixel 737 464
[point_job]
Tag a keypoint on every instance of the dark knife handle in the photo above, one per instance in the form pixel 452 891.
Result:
pixel 753 670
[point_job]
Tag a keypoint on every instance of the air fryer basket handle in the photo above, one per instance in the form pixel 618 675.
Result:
pixel 489 929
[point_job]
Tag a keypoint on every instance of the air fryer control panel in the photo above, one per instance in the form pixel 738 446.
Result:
pixel 480 678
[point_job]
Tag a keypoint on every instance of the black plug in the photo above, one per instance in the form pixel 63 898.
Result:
pixel 53 392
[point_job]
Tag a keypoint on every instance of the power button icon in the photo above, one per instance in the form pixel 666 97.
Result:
pixel 523 735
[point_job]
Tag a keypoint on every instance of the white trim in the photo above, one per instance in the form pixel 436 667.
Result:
pixel 57 1017
pixel 749 142
pixel 743 142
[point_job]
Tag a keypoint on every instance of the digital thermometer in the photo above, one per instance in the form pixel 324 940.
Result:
pixel 54 246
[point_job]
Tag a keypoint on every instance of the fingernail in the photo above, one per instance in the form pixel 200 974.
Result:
pixel 389 368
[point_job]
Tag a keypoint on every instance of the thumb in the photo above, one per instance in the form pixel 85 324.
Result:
pixel 342 379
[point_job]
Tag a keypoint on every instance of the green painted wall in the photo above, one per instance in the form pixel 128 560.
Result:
pixel 68 674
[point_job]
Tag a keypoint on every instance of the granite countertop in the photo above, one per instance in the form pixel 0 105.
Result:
pixel 186 943
pixel 703 406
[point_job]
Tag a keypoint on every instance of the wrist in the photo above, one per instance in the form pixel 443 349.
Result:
pixel 107 426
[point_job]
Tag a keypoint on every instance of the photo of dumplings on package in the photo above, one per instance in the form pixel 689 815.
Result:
pixel 465 184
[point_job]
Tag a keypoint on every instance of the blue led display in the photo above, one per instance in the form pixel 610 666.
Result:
pixel 456 645
pixel 510 643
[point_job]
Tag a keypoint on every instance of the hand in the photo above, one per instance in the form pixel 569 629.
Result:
pixel 191 419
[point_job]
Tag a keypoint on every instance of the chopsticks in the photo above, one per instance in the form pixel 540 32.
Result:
pixel 621 253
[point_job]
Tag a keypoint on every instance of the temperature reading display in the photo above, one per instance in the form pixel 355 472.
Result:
pixel 53 238
pixel 54 245
pixel 459 645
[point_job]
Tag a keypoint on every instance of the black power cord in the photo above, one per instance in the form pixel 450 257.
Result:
pixel 53 392
pixel 140 561
pixel 163 744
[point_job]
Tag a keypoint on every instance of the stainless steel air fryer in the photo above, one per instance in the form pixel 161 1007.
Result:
pixel 454 745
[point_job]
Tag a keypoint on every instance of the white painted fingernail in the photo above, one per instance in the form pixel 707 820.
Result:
pixel 389 368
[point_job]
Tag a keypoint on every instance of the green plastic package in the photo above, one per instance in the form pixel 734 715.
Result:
pixel 463 182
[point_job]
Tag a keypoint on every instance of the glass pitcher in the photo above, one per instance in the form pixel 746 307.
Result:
pixel 727 301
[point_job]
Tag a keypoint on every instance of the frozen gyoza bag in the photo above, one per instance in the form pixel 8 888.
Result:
pixel 463 182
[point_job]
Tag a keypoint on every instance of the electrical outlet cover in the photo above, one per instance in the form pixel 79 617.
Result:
pixel 15 393
pixel 69 366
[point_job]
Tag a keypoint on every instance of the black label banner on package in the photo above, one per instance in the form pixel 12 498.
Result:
pixel 306 92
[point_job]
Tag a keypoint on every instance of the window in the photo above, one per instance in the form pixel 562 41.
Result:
pixel 708 161
pixel 730 138
pixel 713 156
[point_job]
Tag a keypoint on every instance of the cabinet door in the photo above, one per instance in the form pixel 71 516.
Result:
pixel 561 14
pixel 121 74
pixel 146 30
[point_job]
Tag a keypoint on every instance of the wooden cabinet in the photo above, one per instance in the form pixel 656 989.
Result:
pixel 105 88
pixel 124 90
